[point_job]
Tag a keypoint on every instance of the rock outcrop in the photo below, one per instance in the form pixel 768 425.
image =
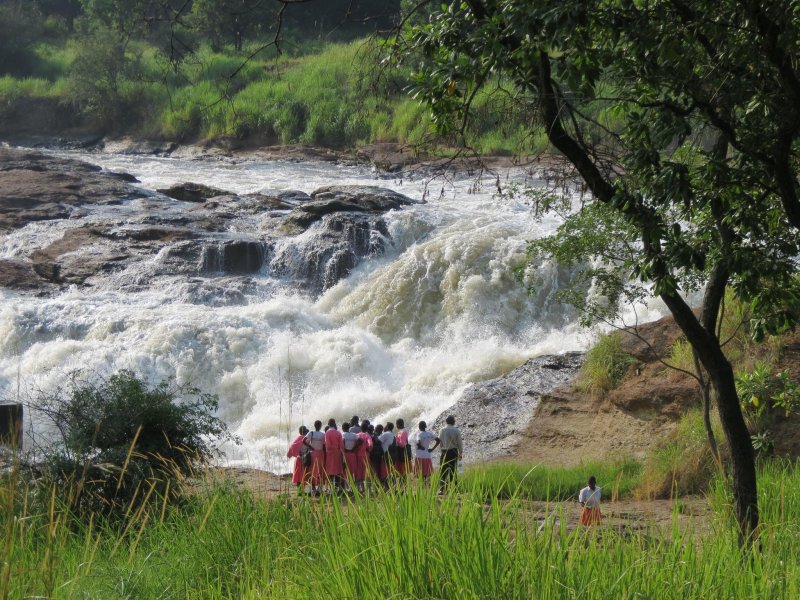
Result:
pixel 492 415
pixel 312 241
pixel 38 187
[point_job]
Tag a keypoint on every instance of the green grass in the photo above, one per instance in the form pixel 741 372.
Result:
pixel 225 544
pixel 535 482
pixel 605 365
pixel 682 464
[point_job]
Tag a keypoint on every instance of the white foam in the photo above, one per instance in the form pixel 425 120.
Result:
pixel 401 337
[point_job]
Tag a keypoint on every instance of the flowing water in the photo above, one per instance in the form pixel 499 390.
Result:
pixel 400 337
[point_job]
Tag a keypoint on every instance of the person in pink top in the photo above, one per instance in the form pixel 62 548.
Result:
pixel 315 442
pixel 296 450
pixel 362 455
pixel 334 455
pixel 401 465
pixel 351 443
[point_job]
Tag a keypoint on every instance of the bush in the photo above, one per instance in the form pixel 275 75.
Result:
pixel 605 365
pixel 122 439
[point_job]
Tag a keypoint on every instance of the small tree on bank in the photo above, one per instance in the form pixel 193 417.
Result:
pixel 683 120
pixel 122 439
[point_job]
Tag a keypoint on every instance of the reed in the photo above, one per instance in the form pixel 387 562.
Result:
pixel 406 543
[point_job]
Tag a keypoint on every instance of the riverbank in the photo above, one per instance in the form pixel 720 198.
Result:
pixel 391 159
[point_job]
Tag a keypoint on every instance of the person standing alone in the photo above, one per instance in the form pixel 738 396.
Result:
pixel 452 452
pixel 589 498
pixel 423 465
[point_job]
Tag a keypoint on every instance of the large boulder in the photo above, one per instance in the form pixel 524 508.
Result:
pixel 191 192
pixel 346 198
pixel 492 415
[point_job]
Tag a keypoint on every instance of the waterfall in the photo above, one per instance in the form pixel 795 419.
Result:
pixel 395 321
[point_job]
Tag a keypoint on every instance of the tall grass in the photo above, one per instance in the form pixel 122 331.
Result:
pixel 536 482
pixel 682 464
pixel 605 365
pixel 223 543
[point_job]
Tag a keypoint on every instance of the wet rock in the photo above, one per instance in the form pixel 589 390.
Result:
pixel 234 257
pixel 122 176
pixel 156 233
pixel 493 414
pixel 37 187
pixel 19 275
pixel 345 198
pixel 330 250
pixel 79 254
pixel 192 192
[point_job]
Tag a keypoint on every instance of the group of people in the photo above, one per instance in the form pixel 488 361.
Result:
pixel 362 454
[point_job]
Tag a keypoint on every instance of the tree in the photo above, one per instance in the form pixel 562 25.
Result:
pixel 682 119
pixel 231 21
pixel 69 10
pixel 20 30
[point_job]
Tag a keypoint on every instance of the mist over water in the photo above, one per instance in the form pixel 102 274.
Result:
pixel 400 337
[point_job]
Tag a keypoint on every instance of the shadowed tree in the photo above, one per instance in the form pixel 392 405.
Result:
pixel 682 119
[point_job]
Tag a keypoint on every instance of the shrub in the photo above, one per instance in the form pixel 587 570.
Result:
pixel 681 465
pixel 605 365
pixel 122 438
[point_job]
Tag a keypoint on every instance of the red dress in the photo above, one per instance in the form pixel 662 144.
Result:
pixel 316 440
pixel 401 439
pixel 300 473
pixel 334 453
pixel 362 454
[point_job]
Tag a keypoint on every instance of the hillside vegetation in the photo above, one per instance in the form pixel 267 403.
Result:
pixel 323 88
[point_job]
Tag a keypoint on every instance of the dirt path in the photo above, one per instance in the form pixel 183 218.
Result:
pixel 654 517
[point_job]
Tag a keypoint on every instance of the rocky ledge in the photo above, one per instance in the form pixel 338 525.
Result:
pixel 494 414
pixel 67 222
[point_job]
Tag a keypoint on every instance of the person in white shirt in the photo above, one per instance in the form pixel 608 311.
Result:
pixel 424 443
pixel 386 438
pixel 452 452
pixel 589 497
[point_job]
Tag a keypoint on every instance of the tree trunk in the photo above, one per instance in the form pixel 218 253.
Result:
pixel 745 491
pixel 705 390
pixel 720 373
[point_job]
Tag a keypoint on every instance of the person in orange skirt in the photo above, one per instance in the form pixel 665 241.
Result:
pixel 589 498
pixel 301 474
pixel 315 442
pixel 402 465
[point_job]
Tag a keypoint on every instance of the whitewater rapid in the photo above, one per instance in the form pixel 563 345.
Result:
pixel 400 337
